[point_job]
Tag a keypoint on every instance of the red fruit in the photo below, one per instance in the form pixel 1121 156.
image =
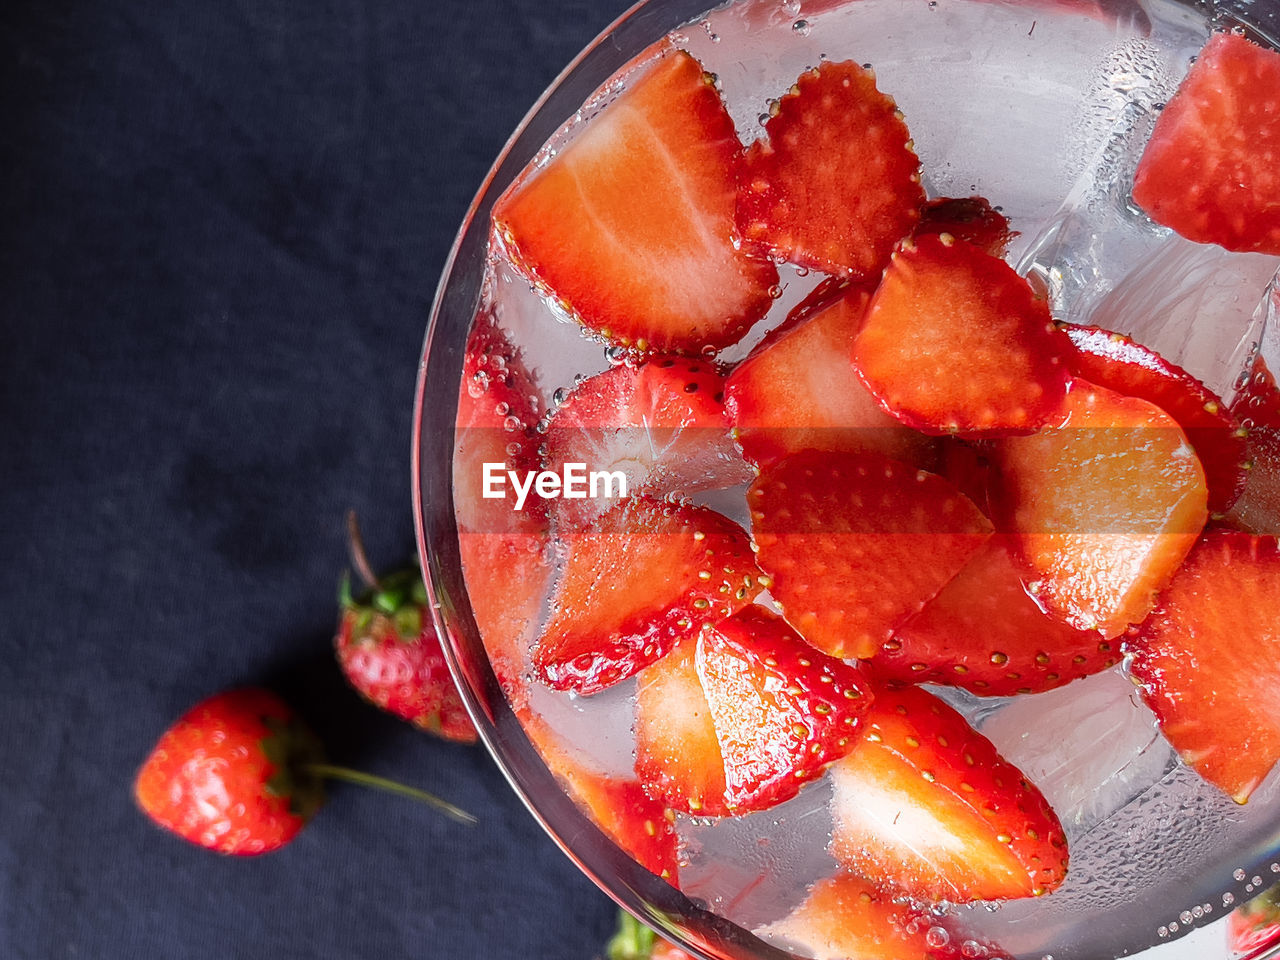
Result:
pixel 1209 659
pixel 1114 361
pixel 1258 408
pixel 646 575
pixel 389 652
pixel 498 408
pixel 836 183
pixel 985 634
pixel 630 226
pixel 231 774
pixel 1103 508
pixel 638 823
pixel 662 424
pixel 506 576
pixel 972 220
pixel 926 805
pixel 678 755
pixel 854 544
pixel 782 710
pixel 845 916
pixel 1210 168
pixel 1254 926
pixel 797 390
pixel 968 468
pixel 502 549
pixel 956 342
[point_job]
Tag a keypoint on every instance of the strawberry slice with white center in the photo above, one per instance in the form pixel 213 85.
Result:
pixel 971 219
pixel 630 228
pixel 845 916
pixel 1211 169
pixel 835 183
pixel 646 575
pixel 854 544
pixel 798 390
pixel 1103 507
pixel 782 710
pixel 985 634
pixel 956 342
pixel 1114 361
pixel 1209 659
pixel 925 804
pixel 677 752
pixel 661 424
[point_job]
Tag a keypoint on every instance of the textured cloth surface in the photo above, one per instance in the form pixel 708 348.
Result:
pixel 221 226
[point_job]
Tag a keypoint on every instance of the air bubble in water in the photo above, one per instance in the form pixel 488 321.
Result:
pixel 801 27
pixel 937 937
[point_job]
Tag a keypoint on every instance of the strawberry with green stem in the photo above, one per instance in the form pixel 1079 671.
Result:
pixel 389 651
pixel 241 774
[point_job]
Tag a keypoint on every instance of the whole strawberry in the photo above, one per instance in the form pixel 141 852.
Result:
pixel 1255 925
pixel 234 774
pixel 391 655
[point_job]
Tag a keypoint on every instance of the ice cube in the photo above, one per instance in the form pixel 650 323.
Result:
pixel 755 869
pixel 599 728
pixel 1091 746
pixel 1194 304
pixel 553 346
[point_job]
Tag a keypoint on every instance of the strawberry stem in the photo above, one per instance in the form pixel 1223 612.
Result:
pixel 359 560
pixel 633 941
pixel 347 775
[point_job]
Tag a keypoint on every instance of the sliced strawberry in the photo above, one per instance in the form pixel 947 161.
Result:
pixel 1210 168
pixel 798 391
pixel 645 575
pixel 956 342
pixel 630 227
pixel 854 544
pixel 1114 361
pixel 619 806
pixel 836 183
pixel 845 916
pixel 782 710
pixel 661 424
pixel 677 753
pixel 1258 408
pixel 1209 657
pixel 503 550
pixel 925 804
pixel 506 575
pixel 968 468
pixel 985 634
pixel 971 219
pixel 498 409
pixel 1103 508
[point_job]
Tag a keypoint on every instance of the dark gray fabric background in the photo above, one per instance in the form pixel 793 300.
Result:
pixel 221 226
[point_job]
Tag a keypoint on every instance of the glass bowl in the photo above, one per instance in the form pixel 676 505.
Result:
pixel 1192 894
